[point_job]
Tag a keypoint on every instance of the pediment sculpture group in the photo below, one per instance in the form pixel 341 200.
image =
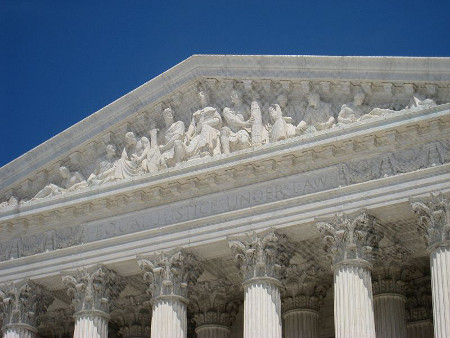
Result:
pixel 211 133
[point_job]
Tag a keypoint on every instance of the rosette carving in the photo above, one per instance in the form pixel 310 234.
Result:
pixel 262 256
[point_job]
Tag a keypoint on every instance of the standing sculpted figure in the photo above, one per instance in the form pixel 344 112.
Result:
pixel 282 127
pixel 126 168
pixel 318 116
pixel 259 134
pixel 235 135
pixel 71 181
pixel 172 151
pixel 202 137
pixel 105 169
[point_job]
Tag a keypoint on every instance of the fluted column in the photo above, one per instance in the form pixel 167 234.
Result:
pixel 351 242
pixel 22 303
pixel 91 292
pixel 168 277
pixel 261 260
pixel 419 308
pixel 434 223
pixel 214 306
pixel 389 293
pixel 304 292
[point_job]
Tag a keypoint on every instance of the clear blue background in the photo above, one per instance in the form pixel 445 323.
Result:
pixel 63 60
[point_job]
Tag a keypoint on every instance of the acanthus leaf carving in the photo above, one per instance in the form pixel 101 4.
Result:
pixel 350 238
pixel 214 302
pixel 433 215
pixel 304 287
pixel 170 274
pixel 262 256
pixel 23 303
pixel 92 289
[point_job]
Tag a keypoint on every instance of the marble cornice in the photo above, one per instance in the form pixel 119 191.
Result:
pixel 299 154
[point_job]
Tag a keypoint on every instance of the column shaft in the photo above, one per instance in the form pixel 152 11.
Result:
pixel 353 304
pixel 420 329
pixel 262 310
pixel 301 323
pixel 212 331
pixel 169 319
pixel 390 319
pixel 90 326
pixel 440 283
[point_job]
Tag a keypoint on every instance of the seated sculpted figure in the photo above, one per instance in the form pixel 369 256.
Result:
pixel 202 137
pixel 318 116
pixel 71 181
pixel 125 167
pixel 105 169
pixel 235 135
pixel 150 159
pixel 172 151
pixel 351 112
pixel 282 128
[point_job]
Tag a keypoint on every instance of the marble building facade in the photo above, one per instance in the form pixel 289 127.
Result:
pixel 239 196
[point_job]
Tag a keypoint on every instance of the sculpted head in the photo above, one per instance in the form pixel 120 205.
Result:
pixel 130 139
pixel 110 150
pixel 275 111
pixel 236 97
pixel 282 100
pixel 313 100
pixel 168 116
pixel 145 141
pixel 203 97
pixel 64 172
pixel 359 98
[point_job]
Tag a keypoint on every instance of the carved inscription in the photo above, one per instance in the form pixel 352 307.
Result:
pixel 214 204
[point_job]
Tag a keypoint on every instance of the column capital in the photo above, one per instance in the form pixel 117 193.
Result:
pixel 351 239
pixel 391 269
pixel 92 289
pixel 214 303
pixel 262 257
pixel 169 274
pixel 22 303
pixel 433 215
pixel 419 300
pixel 132 315
pixel 304 287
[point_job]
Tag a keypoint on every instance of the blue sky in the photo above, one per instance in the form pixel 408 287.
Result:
pixel 61 61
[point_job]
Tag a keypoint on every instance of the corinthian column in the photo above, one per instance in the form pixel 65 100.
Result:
pixel 302 299
pixel 91 291
pixel 168 277
pixel 434 223
pixel 419 309
pixel 214 308
pixel 389 293
pixel 350 242
pixel 22 303
pixel 261 260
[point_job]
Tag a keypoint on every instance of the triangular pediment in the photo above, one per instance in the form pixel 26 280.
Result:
pixel 390 84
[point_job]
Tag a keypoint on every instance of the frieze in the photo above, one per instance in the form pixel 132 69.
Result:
pixel 219 117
